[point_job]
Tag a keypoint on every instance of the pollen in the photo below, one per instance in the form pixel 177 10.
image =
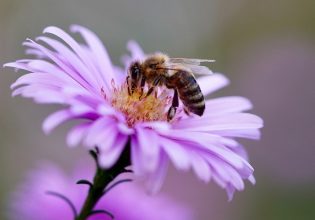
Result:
pixel 137 107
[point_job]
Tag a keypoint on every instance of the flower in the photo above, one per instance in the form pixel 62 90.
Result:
pixel 83 79
pixel 31 201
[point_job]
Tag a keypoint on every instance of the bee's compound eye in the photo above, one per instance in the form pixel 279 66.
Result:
pixel 135 72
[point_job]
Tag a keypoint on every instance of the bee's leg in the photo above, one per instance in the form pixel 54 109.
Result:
pixel 133 79
pixel 128 85
pixel 186 111
pixel 142 83
pixel 172 111
pixel 151 89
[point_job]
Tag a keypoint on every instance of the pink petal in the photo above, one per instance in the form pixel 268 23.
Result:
pixel 177 153
pixel 45 96
pixel 136 157
pixel 224 105
pixel 135 49
pixel 207 144
pixel 76 134
pixel 36 53
pixel 148 148
pixel 158 126
pixel 23 64
pixel 107 141
pixel 212 83
pixel 252 179
pixel 74 62
pixel 189 136
pixel 43 66
pixel 156 179
pixel 103 61
pixel 39 92
pixel 200 167
pixel 136 53
pixel 218 179
pixel 55 119
pixel 38 78
pixel 230 191
pixel 72 43
pixel 103 128
pixel 60 63
pixel 124 129
pixel 109 157
pixel 228 173
pixel 231 121
pixel 243 133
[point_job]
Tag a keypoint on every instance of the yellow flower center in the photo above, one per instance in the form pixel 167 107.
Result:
pixel 137 107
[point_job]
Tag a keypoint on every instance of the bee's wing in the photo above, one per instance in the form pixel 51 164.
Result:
pixel 193 65
pixel 190 61
pixel 200 70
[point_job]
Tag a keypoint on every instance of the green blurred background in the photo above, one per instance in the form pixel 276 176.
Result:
pixel 266 48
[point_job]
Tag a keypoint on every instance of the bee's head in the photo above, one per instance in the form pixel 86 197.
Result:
pixel 135 70
pixel 134 75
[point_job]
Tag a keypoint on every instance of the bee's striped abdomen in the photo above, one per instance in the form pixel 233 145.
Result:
pixel 189 91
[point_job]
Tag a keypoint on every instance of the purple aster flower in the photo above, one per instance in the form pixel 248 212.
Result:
pixel 31 202
pixel 83 79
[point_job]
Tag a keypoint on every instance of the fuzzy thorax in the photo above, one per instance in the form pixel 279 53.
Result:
pixel 137 107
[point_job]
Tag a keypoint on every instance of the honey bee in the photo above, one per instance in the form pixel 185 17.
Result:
pixel 174 73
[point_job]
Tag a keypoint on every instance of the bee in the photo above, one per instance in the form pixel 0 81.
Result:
pixel 174 73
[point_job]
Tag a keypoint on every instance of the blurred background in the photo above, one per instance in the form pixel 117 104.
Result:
pixel 266 48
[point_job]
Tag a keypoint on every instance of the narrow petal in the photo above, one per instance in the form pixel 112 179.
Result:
pixel 157 126
pixel 242 133
pixel 177 154
pixel 72 43
pixel 36 53
pixel 156 179
pixel 136 157
pixel 224 105
pixel 212 83
pixel 223 122
pixel 18 65
pixel 67 70
pixel 109 157
pixel 103 128
pixel 230 191
pixel 106 142
pixel 74 61
pixel 149 148
pixel 39 92
pixel 55 119
pixel 136 53
pixel 124 129
pixel 76 134
pixel 44 96
pixel 135 49
pixel 39 78
pixel 104 64
pixel 229 174
pixel 252 179
pixel 204 143
pixel 200 167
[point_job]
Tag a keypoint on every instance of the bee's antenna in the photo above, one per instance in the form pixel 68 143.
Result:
pixel 163 68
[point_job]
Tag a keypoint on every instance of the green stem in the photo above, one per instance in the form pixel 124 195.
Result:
pixel 101 180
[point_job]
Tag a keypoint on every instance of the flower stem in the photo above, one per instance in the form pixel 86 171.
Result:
pixel 101 180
